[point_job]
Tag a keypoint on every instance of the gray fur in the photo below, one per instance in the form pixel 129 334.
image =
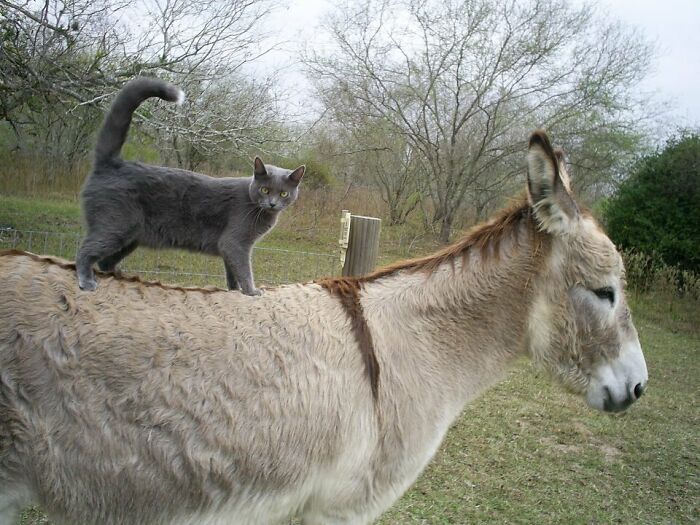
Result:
pixel 127 204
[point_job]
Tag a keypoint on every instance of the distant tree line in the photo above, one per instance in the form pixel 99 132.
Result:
pixel 429 102
pixel 439 95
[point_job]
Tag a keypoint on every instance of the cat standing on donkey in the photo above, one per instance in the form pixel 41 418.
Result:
pixel 126 204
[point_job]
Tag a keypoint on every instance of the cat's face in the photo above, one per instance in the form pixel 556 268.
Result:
pixel 274 188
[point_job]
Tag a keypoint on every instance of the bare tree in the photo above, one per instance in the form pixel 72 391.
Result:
pixel 392 164
pixel 50 56
pixel 56 47
pixel 231 114
pixel 202 45
pixel 93 43
pixel 63 60
pixel 181 36
pixel 463 80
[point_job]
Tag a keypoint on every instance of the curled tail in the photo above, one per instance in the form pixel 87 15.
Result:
pixel 116 123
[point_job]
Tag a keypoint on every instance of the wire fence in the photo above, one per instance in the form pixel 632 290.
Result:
pixel 271 266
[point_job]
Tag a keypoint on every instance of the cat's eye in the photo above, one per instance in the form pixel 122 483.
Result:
pixel 284 193
pixel 265 190
pixel 606 294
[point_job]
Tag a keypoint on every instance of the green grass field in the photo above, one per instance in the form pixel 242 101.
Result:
pixel 526 452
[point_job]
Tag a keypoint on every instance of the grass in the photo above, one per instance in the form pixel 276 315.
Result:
pixel 526 452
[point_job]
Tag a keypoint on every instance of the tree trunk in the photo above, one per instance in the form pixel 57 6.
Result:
pixel 446 227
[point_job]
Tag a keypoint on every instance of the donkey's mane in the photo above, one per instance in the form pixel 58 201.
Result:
pixel 485 237
pixel 481 236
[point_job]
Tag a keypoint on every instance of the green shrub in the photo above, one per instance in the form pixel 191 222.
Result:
pixel 317 175
pixel 657 209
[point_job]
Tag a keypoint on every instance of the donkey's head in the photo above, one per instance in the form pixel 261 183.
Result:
pixel 580 327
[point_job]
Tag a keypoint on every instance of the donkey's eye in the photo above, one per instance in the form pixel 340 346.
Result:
pixel 606 293
pixel 264 190
pixel 284 193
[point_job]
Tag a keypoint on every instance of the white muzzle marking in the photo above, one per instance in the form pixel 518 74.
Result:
pixel 617 384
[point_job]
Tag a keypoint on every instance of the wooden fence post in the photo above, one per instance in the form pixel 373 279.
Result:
pixel 362 245
pixel 344 235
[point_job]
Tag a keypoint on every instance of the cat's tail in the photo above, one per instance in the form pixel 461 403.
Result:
pixel 116 124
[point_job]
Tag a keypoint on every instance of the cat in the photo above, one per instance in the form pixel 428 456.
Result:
pixel 126 204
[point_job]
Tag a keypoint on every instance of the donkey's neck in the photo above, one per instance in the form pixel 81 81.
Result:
pixel 441 339
pixel 453 332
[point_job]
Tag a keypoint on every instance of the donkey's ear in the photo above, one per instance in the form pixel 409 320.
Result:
pixel 259 168
pixel 548 186
pixel 563 173
pixel 297 174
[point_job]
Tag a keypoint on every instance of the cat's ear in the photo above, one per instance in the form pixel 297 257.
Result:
pixel 297 174
pixel 259 170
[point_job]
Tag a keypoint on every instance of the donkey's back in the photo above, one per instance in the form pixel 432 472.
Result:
pixel 215 405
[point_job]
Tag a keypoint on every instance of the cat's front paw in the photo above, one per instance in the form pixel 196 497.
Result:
pixel 253 291
pixel 87 284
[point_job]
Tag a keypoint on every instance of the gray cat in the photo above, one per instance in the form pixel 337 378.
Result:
pixel 126 204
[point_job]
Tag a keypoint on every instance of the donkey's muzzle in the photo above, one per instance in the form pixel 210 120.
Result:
pixel 615 384
pixel 610 404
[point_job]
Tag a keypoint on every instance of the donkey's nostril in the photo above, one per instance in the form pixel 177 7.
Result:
pixel 638 390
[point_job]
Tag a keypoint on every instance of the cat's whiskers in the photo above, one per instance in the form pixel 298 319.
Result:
pixel 257 216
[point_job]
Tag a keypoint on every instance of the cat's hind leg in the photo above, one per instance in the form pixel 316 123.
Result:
pixel 109 263
pixel 94 249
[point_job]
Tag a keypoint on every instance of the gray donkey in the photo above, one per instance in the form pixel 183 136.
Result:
pixel 144 404
pixel 127 204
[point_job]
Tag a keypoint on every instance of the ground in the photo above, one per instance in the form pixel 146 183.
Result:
pixel 527 452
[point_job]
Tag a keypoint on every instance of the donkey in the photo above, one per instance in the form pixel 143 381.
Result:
pixel 143 403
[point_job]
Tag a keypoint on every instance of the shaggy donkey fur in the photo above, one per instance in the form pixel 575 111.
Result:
pixel 143 403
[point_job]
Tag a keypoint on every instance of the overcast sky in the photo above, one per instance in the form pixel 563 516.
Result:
pixel 674 25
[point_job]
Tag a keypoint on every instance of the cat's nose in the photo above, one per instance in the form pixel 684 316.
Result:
pixel 273 204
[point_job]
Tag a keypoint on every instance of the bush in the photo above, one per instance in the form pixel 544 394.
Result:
pixel 648 272
pixel 657 209
pixel 317 175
